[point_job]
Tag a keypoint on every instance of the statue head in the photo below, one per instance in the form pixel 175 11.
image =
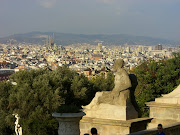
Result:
pixel 119 63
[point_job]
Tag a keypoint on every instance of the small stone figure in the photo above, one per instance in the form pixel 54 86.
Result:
pixel 18 128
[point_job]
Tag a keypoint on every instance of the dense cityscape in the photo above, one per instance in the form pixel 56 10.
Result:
pixel 83 58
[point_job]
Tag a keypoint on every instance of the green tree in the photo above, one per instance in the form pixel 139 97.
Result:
pixel 5 128
pixel 75 89
pixel 156 78
pixel 34 99
pixel 37 95
pixel 103 83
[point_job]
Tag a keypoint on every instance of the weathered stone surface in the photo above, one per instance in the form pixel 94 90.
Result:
pixel 113 127
pixel 115 112
pixel 122 80
pixel 171 98
pixel 166 109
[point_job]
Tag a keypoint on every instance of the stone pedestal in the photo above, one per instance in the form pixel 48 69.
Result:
pixel 106 105
pixel 113 112
pixel 68 123
pixel 166 109
pixel 163 113
pixel 113 127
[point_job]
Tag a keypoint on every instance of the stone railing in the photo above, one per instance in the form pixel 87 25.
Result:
pixel 173 129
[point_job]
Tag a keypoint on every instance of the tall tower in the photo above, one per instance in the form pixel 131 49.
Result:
pixel 53 39
pixel 158 47
pixel 99 46
pixel 47 42
pixel 50 41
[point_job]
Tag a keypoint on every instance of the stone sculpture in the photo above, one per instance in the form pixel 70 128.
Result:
pixel 18 128
pixel 122 81
pixel 174 93
pixel 118 99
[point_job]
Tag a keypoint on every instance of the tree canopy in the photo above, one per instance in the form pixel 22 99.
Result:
pixel 37 95
pixel 155 79
pixel 103 82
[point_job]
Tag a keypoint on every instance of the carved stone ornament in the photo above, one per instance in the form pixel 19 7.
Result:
pixel 68 123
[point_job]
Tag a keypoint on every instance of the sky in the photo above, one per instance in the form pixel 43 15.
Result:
pixel 153 18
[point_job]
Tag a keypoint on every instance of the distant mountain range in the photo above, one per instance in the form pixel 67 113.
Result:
pixel 67 39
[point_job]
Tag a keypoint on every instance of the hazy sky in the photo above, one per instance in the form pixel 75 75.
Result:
pixel 155 18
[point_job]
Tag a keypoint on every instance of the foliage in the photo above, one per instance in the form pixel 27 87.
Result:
pixel 5 129
pixel 37 94
pixel 68 109
pixel 156 78
pixel 102 82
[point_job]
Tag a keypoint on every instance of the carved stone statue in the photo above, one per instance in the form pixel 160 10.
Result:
pixel 18 128
pixel 122 81
pixel 120 93
pixel 117 100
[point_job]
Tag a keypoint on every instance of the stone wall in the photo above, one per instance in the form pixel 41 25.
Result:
pixel 164 111
pixel 113 127
pixel 172 129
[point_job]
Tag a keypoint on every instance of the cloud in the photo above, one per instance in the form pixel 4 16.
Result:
pixel 47 3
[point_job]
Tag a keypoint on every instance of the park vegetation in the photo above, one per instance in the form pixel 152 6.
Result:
pixel 154 79
pixel 36 94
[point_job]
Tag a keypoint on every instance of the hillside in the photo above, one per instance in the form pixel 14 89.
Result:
pixel 66 39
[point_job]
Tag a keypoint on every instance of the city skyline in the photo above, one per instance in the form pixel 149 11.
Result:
pixel 135 17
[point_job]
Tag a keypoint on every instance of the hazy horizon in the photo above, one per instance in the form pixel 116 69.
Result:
pixel 153 18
